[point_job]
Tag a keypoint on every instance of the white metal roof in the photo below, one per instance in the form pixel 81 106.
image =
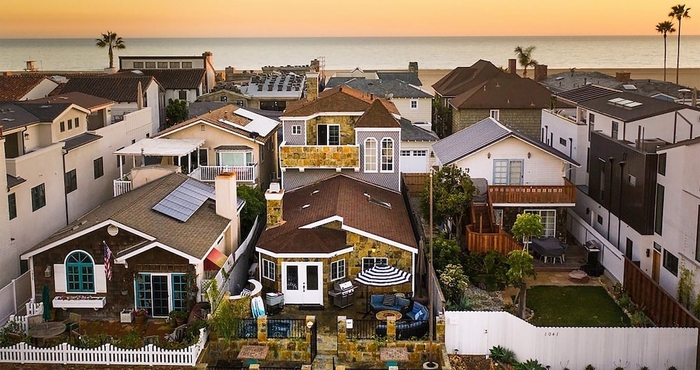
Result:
pixel 258 123
pixel 162 147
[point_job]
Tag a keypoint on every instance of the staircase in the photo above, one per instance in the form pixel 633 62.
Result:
pixel 482 209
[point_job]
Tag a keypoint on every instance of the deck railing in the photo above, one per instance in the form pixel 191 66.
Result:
pixel 533 193
pixel 243 173
pixel 121 187
pixel 484 242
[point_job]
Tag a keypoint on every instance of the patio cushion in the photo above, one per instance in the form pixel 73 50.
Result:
pixel 389 300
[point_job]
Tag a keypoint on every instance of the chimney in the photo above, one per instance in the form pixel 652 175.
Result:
pixel 540 72
pixel 693 102
pixel 622 76
pixel 273 197
pixel 227 207
pixel 413 67
pixel 512 66
pixel 311 86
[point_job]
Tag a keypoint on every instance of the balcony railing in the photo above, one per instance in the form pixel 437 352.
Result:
pixel 209 173
pixel 500 241
pixel 121 187
pixel 535 194
pixel 320 156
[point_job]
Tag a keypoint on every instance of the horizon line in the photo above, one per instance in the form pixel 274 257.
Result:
pixel 323 37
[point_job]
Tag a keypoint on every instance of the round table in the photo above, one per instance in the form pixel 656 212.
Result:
pixel 382 315
pixel 46 330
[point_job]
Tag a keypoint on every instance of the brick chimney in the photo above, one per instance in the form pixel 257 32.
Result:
pixel 273 197
pixel 311 86
pixel 413 67
pixel 225 188
pixel 623 76
pixel 512 66
pixel 540 72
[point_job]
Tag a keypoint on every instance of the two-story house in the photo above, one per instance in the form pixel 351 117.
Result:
pixel 59 163
pixel 178 84
pixel 467 95
pixel 265 91
pixel 147 63
pixel 521 175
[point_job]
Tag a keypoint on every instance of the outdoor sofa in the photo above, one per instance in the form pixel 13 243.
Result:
pixel 381 302
pixel 414 324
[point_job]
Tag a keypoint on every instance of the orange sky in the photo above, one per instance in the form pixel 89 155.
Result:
pixel 274 18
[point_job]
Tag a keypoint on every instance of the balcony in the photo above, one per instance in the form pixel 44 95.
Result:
pixel 122 186
pixel 534 194
pixel 246 174
pixel 320 156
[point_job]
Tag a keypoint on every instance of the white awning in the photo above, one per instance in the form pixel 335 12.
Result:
pixel 162 147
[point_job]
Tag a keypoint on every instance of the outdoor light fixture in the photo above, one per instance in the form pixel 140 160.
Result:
pixel 47 272
pixel 26 136
pixel 309 324
pixel 488 155
pixel 529 155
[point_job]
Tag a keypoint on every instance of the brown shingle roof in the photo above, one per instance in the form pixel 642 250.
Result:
pixel 13 88
pixel 177 78
pixel 344 197
pixel 377 116
pixel 117 87
pixel 338 99
pixel 462 79
pixel 504 91
pixel 80 99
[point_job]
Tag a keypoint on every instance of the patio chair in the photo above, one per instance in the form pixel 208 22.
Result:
pixel 73 322
pixel 177 335
pixel 34 320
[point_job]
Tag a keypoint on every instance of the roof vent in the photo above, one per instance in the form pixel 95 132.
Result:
pixel 315 192
pixel 305 206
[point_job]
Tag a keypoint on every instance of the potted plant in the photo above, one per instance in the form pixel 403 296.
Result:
pixel 140 315
pixel 178 317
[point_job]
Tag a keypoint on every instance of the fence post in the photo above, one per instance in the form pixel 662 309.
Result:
pixel 262 328
pixel 14 295
pixel 391 328
pixel 310 321
pixel 254 367
pixel 440 329
pixel 342 334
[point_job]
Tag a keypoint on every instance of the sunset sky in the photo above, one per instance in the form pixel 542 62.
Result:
pixel 317 18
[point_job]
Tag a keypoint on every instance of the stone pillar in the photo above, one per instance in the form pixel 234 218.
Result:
pixel 255 367
pixel 308 367
pixel 440 329
pixel 309 319
pixel 337 367
pixel 342 330
pixel 391 328
pixel 262 328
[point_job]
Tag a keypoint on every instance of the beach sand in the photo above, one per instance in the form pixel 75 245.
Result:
pixel 688 76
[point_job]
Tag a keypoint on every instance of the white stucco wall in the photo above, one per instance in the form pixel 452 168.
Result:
pixel 192 94
pixel 541 168
pixel 557 127
pixel 9 268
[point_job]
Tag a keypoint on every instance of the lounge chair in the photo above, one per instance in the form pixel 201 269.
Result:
pixel 73 322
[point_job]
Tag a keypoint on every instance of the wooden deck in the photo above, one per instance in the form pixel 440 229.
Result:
pixel 536 194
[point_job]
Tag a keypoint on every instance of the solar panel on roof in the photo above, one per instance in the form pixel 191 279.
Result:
pixel 185 200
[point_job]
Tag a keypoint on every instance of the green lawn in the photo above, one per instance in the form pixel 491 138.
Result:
pixel 574 306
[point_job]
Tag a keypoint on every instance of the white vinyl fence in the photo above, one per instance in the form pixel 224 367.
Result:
pixel 475 333
pixel 106 354
pixel 610 257
pixel 13 297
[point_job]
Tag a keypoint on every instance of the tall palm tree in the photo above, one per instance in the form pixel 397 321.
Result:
pixel 664 28
pixel 111 41
pixel 525 57
pixel 679 12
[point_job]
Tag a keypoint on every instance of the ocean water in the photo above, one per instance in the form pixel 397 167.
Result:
pixel 363 52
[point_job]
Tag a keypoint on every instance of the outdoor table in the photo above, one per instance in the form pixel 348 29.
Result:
pixel 392 355
pixel 382 315
pixel 549 247
pixel 46 330
pixel 252 353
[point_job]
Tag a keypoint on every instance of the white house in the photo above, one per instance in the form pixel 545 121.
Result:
pixel 416 153
pixel 174 62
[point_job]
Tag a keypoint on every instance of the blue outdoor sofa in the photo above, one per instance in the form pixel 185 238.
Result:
pixel 414 324
pixel 381 302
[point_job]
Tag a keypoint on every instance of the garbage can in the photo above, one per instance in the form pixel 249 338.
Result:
pixel 592 252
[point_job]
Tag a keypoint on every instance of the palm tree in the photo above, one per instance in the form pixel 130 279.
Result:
pixel 664 28
pixel 112 41
pixel 525 57
pixel 679 12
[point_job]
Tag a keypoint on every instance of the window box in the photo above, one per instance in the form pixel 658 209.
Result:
pixel 79 301
pixel 126 316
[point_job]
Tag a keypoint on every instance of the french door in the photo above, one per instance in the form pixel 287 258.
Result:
pixel 302 282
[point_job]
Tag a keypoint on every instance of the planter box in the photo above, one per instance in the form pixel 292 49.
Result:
pixel 91 302
pixel 126 316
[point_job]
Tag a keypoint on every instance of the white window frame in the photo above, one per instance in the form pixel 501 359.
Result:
pixel 420 153
pixel 495 114
pixel 296 129
pixel 508 179
pixel 371 154
pixel 270 267
pixel 388 158
pixel 338 269
pixel 548 231
pixel 374 261
pixel 414 104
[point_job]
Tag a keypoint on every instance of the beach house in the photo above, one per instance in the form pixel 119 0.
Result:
pixel 265 91
pixel 152 63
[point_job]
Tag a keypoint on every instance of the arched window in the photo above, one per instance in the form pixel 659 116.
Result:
pixel 80 272
pixel 387 155
pixel 371 155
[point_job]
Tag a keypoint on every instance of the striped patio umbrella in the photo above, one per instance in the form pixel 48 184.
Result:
pixel 383 275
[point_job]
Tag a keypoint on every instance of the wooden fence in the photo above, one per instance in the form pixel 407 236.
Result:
pixel 484 242
pixel 658 305
pixel 415 182
pixel 105 354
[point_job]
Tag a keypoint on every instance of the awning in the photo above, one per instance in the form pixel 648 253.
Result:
pixel 215 260
pixel 162 147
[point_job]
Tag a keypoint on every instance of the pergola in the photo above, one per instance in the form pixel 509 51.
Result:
pixel 160 148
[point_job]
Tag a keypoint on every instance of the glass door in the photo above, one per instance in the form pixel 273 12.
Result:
pixel 159 284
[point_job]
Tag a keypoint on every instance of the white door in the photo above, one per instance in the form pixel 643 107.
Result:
pixel 302 282
pixel 414 160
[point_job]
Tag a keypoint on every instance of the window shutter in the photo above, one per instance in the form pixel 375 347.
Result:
pixel 100 279
pixel 59 278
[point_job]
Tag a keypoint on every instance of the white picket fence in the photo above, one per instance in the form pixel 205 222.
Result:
pixel 475 333
pixel 106 354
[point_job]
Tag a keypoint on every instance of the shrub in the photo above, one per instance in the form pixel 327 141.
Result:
pixel 590 367
pixel 530 365
pixel 502 354
pixel 454 282
pixel 624 301
pixel 131 340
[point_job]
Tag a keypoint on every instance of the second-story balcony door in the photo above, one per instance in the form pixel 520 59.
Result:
pixel 328 135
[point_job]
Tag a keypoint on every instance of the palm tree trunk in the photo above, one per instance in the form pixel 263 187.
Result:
pixel 664 57
pixel 111 57
pixel 678 54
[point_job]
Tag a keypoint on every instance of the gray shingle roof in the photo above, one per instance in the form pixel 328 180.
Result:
pixel 45 112
pixel 13 116
pixel 80 140
pixel 398 88
pixel 481 135
pixel 411 132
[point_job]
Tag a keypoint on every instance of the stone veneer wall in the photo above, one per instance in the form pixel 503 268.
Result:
pixel 527 121
pixel 274 211
pixel 320 156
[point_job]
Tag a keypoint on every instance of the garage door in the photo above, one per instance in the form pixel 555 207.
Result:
pixel 414 161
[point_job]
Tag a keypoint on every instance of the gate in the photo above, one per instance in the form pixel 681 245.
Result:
pixel 313 346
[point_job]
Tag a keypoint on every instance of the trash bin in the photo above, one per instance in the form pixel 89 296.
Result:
pixel 592 252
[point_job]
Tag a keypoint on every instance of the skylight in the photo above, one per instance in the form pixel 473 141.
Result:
pixel 625 103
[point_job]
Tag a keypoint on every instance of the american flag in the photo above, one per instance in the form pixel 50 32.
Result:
pixel 108 261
